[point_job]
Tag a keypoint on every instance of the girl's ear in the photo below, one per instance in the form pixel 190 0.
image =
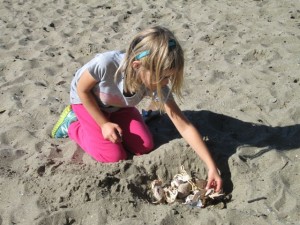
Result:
pixel 136 65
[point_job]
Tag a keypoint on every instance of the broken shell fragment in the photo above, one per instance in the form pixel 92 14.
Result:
pixel 184 190
pixel 176 182
pixel 171 194
pixel 212 194
pixel 200 183
pixel 209 192
pixel 158 192
pixel 194 199
pixel 216 195
pixel 182 177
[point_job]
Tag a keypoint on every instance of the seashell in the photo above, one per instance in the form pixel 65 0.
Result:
pixel 171 194
pixel 156 183
pixel 193 199
pixel 209 192
pixel 200 183
pixel 215 195
pixel 193 190
pixel 184 190
pixel 189 199
pixel 157 191
pixel 183 176
pixel 176 182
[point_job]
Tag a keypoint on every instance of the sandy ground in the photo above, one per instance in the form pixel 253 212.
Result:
pixel 241 91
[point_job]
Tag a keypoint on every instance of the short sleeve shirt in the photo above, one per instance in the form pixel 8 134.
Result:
pixel 109 89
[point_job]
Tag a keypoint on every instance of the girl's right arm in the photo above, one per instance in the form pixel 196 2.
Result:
pixel 109 130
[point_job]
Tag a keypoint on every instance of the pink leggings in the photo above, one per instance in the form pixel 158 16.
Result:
pixel 88 135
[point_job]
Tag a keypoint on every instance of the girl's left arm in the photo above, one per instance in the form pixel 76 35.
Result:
pixel 194 139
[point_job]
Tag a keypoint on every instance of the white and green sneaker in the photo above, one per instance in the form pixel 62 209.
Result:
pixel 60 129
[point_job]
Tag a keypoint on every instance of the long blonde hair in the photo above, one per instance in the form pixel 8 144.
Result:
pixel 153 49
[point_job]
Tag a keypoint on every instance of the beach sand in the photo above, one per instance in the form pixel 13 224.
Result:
pixel 241 91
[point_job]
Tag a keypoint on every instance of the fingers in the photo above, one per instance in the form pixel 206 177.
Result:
pixel 219 185
pixel 215 184
pixel 119 135
pixel 114 138
pixel 112 132
pixel 209 184
pixel 119 131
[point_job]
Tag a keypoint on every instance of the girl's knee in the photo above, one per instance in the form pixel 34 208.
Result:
pixel 146 148
pixel 149 146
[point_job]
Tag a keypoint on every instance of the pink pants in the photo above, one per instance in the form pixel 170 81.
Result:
pixel 136 136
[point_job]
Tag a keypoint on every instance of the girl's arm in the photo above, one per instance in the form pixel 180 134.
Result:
pixel 194 139
pixel 84 87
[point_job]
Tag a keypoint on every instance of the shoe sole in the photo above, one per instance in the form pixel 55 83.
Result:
pixel 61 120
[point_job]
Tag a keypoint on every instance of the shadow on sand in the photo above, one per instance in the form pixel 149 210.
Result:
pixel 225 134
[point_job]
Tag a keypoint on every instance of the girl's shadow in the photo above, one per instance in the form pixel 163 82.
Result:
pixel 225 134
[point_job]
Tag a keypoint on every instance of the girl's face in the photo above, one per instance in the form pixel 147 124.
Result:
pixel 145 76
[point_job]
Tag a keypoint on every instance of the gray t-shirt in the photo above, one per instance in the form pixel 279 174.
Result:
pixel 109 90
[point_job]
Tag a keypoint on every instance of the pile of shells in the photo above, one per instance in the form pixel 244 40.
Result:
pixel 188 190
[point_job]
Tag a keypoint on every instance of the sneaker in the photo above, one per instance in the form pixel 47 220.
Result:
pixel 60 129
pixel 149 115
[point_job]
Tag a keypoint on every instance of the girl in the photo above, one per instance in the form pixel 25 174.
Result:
pixel 102 118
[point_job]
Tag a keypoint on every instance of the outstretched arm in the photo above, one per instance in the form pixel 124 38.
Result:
pixel 193 137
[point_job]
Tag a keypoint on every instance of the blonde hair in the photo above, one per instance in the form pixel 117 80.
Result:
pixel 152 48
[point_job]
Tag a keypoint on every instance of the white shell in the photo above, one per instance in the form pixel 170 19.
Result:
pixel 176 182
pixel 184 187
pixel 157 191
pixel 215 195
pixel 212 194
pixel 193 198
pixel 209 192
pixel 183 176
pixel 171 194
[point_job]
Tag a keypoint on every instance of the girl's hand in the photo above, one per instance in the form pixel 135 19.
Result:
pixel 214 180
pixel 112 132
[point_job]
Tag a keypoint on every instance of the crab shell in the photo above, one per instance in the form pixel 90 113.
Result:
pixel 176 182
pixel 212 194
pixel 209 192
pixel 157 191
pixel 182 177
pixel 200 183
pixel 184 190
pixel 171 194
pixel 193 198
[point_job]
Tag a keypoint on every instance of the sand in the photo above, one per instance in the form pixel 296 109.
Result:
pixel 241 91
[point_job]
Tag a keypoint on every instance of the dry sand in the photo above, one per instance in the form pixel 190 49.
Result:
pixel 241 90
